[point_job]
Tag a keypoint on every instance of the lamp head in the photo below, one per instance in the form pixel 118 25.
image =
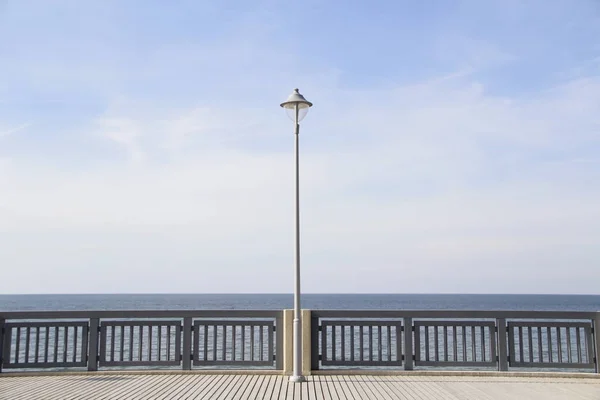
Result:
pixel 296 103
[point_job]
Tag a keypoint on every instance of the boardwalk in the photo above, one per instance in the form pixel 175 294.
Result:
pixel 195 386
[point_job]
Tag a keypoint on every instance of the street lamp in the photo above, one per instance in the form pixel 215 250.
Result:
pixel 297 107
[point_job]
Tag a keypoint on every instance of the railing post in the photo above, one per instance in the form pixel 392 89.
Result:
pixel 279 330
pixel 186 353
pixel 502 347
pixel 314 342
pixel 597 342
pixel 1 343
pixel 288 348
pixel 306 343
pixel 93 344
pixel 408 344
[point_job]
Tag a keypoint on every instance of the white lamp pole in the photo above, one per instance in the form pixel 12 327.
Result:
pixel 297 108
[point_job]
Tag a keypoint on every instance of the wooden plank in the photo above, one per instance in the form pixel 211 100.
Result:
pixel 111 388
pixel 198 383
pixel 304 387
pixel 70 388
pixel 310 384
pixel 269 384
pixel 431 390
pixel 321 388
pixel 181 386
pixel 254 386
pixel 425 389
pixel 261 392
pixel 287 389
pixel 25 385
pixel 380 389
pixel 385 391
pixel 219 387
pixel 167 391
pixel 297 393
pixel 440 391
pixel 334 381
pixel 96 387
pixel 492 390
pixel 197 391
pixel 48 391
pixel 467 390
pixel 242 388
pixel 257 382
pixel 317 389
pixel 9 383
pixel 277 388
pixel 394 387
pixel 80 387
pixel 354 388
pixel 410 388
pixel 334 388
pixel 232 386
pixel 122 389
pixel 226 385
pixel 136 388
pixel 364 387
pixel 154 386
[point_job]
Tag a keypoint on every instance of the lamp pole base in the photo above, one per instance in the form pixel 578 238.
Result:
pixel 297 379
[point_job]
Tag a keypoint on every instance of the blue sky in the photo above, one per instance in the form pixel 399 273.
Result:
pixel 453 146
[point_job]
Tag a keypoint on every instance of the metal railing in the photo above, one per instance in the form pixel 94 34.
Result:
pixel 356 342
pixel 388 339
pixel 102 339
pixel 45 345
pixel 140 343
pixel 243 342
pixel 551 344
pixel 455 343
pixel 473 339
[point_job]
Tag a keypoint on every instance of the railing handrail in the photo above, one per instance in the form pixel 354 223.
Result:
pixel 109 314
pixel 467 314
pixel 457 314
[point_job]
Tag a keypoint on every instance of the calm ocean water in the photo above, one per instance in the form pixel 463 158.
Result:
pixel 309 301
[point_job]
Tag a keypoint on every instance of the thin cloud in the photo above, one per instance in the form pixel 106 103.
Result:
pixel 17 129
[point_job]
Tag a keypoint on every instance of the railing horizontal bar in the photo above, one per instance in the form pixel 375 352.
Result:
pixel 140 323
pixel 455 323
pixel 552 365
pixel 44 364
pixel 361 363
pixel 550 324
pixel 137 363
pixel 455 364
pixel 226 322
pixel 359 323
pixel 10 325
pixel 459 314
pixel 8 315
pixel 245 363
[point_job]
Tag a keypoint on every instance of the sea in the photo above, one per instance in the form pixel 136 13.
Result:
pixel 508 302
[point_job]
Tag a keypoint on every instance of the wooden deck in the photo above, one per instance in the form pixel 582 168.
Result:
pixel 195 386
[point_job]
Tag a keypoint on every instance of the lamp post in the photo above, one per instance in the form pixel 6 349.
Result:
pixel 297 107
